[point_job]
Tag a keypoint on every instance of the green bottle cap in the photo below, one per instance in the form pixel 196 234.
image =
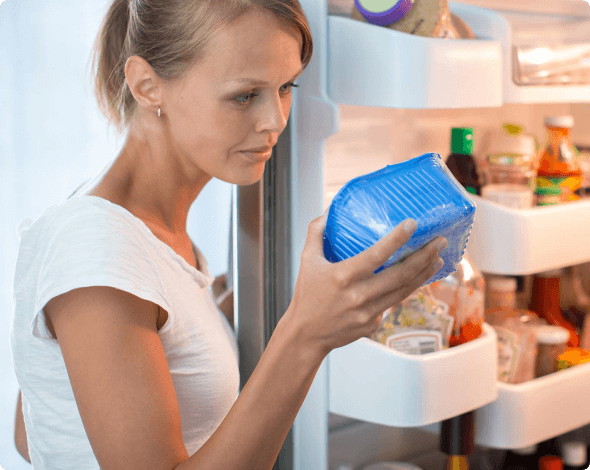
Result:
pixel 462 140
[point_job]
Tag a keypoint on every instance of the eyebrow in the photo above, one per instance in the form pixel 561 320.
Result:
pixel 253 81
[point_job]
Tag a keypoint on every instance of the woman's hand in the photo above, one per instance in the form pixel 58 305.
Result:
pixel 337 303
pixel 224 297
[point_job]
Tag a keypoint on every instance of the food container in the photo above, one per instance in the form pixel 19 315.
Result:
pixel 430 18
pixel 463 292
pixel 510 179
pixel 551 343
pixel 509 195
pixel 420 324
pixel 370 206
pixel 501 292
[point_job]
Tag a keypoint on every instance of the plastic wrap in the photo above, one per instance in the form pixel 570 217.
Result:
pixel 369 207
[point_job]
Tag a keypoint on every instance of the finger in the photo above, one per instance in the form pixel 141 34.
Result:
pixel 394 277
pixel 369 260
pixel 395 297
pixel 315 235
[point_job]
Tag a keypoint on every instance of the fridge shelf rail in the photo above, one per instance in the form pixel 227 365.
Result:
pixel 372 65
pixel 511 241
pixel 371 382
pixel 527 413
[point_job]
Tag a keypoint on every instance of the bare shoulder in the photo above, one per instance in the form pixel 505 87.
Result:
pixel 119 376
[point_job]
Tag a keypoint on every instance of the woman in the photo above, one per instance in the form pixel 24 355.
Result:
pixel 123 358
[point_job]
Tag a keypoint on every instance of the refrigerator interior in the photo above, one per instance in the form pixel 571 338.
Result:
pixel 369 139
pixel 365 139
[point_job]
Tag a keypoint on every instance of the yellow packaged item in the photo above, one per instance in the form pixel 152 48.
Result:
pixel 572 357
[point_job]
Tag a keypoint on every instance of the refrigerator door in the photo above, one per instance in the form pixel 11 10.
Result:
pixel 260 264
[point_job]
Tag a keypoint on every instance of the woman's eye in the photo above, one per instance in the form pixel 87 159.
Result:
pixel 245 99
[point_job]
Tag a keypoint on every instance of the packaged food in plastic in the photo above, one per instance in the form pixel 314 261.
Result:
pixel 370 206
pixel 420 324
pixel 463 291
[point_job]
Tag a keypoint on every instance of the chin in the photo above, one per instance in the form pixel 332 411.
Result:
pixel 245 178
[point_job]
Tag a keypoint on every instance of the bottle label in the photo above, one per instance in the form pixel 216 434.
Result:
pixel 416 342
pixel 507 353
pixel 564 188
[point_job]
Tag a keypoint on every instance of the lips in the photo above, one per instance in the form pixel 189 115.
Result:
pixel 259 156
pixel 258 150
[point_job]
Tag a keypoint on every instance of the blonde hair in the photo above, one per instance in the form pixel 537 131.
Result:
pixel 171 35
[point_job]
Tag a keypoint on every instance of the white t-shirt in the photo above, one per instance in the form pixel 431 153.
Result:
pixel 89 241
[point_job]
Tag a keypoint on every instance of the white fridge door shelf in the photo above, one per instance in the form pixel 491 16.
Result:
pixel 527 241
pixel 376 66
pixel 371 382
pixel 372 65
pixel 527 413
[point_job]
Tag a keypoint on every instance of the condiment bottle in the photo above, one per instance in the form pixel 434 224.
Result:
pixel 551 342
pixel 575 455
pixel 501 292
pixel 461 161
pixel 457 440
pixel 430 18
pixel 550 462
pixel 545 302
pixel 558 167
pixel 464 292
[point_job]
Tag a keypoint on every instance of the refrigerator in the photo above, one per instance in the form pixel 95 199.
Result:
pixel 372 97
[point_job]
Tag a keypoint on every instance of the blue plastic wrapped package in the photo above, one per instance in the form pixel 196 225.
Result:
pixel 369 207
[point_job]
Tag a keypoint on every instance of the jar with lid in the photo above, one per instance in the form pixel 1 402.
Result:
pixel 551 342
pixel 510 180
pixel 430 18
pixel 509 167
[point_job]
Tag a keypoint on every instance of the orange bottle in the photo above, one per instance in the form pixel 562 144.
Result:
pixel 558 171
pixel 545 303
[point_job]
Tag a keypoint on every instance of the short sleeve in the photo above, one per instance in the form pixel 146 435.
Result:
pixel 95 248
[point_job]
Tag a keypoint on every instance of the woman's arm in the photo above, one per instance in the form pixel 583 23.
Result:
pixel 20 433
pixel 333 305
pixel 122 383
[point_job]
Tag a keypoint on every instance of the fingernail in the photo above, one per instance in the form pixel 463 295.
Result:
pixel 442 245
pixel 410 226
pixel 438 264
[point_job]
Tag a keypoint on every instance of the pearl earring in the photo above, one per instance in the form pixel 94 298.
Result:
pixel 159 112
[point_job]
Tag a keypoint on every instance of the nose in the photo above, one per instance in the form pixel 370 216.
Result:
pixel 274 115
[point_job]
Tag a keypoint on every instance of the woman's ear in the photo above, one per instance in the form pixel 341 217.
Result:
pixel 143 82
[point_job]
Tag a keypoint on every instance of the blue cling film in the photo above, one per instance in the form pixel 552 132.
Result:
pixel 369 207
